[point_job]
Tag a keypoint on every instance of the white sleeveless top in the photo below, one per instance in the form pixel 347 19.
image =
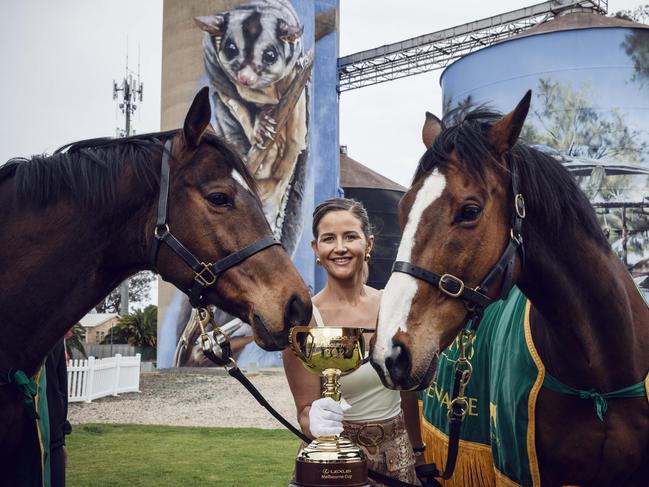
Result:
pixel 364 391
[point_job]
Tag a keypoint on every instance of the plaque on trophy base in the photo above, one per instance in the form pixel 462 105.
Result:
pixel 331 461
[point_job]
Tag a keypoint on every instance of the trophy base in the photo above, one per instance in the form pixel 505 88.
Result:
pixel 331 461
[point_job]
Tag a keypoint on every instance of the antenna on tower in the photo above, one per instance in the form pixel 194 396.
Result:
pixel 126 94
pixel 131 91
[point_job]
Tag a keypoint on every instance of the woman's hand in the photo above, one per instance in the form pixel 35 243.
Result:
pixel 326 417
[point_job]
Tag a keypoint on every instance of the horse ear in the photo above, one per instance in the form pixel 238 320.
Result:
pixel 504 133
pixel 214 25
pixel 198 118
pixel 289 33
pixel 431 129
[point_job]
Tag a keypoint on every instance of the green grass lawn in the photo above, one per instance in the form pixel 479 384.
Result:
pixel 137 455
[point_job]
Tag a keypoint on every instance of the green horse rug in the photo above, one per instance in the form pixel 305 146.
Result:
pixel 497 445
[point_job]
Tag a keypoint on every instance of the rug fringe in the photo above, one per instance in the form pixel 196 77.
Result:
pixel 474 465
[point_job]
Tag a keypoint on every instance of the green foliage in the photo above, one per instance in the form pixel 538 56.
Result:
pixel 636 45
pixel 75 340
pixel 116 334
pixel 639 14
pixel 138 328
pixel 139 455
pixel 564 120
pixel 139 286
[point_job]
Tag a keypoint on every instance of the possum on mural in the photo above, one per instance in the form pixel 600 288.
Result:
pixel 251 55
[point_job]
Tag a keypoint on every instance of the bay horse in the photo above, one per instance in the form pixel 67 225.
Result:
pixel 77 223
pixel 479 197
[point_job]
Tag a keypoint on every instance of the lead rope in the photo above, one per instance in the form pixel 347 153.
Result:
pixel 457 409
pixel 216 347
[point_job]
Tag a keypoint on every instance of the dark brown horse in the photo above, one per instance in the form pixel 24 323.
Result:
pixel 77 223
pixel 479 195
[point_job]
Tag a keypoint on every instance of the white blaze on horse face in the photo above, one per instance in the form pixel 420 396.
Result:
pixel 401 288
pixel 239 179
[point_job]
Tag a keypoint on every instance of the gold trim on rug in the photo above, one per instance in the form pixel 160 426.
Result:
pixel 531 404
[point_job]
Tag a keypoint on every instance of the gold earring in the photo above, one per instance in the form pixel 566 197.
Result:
pixel 317 261
pixel 367 256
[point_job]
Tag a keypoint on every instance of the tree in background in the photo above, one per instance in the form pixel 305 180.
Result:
pixel 138 328
pixel 562 118
pixel 75 340
pixel 139 287
pixel 639 14
pixel 636 43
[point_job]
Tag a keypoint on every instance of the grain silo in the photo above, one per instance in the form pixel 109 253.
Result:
pixel 590 81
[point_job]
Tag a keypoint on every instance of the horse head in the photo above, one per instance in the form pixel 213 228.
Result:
pixel 455 224
pixel 214 210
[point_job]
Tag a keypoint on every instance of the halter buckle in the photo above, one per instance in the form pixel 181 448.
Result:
pixel 462 405
pixel 161 231
pixel 519 205
pixel 453 279
pixel 205 280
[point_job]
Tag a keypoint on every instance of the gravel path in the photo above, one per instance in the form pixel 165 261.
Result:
pixel 192 397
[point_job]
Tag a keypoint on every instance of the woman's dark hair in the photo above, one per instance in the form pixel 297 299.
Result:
pixel 356 208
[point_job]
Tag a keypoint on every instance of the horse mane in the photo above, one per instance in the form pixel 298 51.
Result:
pixel 88 171
pixel 552 196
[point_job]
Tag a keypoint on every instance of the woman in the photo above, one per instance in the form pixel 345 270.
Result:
pixel 385 423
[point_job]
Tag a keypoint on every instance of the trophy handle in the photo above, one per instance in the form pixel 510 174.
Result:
pixel 295 346
pixel 361 344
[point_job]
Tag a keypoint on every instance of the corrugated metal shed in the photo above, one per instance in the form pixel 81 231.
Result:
pixel 380 196
pixel 353 174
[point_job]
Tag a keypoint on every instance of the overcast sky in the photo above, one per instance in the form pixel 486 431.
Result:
pixel 59 59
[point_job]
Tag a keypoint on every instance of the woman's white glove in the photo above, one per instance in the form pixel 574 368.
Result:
pixel 326 416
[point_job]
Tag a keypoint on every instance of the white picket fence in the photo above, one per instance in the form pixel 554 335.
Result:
pixel 94 378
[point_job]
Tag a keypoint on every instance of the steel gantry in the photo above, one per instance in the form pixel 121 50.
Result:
pixel 439 49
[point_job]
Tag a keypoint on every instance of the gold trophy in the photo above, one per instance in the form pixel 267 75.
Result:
pixel 330 352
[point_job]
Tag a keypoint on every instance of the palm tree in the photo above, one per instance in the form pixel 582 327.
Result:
pixel 75 340
pixel 139 328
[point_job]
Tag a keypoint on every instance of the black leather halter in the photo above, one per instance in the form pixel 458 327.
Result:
pixel 205 275
pixel 476 299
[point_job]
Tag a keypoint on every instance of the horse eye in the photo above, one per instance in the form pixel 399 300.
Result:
pixel 219 199
pixel 469 213
pixel 269 56
pixel 230 49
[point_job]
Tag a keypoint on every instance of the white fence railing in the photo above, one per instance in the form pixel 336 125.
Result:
pixel 94 378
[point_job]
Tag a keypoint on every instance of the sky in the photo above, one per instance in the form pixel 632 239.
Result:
pixel 59 60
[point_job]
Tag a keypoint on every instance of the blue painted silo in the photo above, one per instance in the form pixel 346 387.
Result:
pixel 589 75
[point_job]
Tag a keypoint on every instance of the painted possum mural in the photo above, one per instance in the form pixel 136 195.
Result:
pixel 253 56
pixel 257 72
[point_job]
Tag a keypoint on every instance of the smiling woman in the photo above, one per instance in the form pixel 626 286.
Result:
pixel 342 243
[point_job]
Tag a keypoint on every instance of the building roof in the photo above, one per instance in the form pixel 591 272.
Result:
pixel 353 174
pixel 578 20
pixel 95 319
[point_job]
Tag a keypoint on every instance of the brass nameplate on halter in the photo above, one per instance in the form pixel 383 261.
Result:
pixel 330 460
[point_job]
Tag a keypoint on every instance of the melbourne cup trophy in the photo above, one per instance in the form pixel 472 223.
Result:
pixel 330 352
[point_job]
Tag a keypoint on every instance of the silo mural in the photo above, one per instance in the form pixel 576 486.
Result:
pixel 590 80
pixel 261 60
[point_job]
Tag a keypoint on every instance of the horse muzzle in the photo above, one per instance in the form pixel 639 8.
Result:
pixel 397 372
pixel 272 338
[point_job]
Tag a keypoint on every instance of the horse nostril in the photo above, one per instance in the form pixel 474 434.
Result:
pixel 398 364
pixel 297 312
